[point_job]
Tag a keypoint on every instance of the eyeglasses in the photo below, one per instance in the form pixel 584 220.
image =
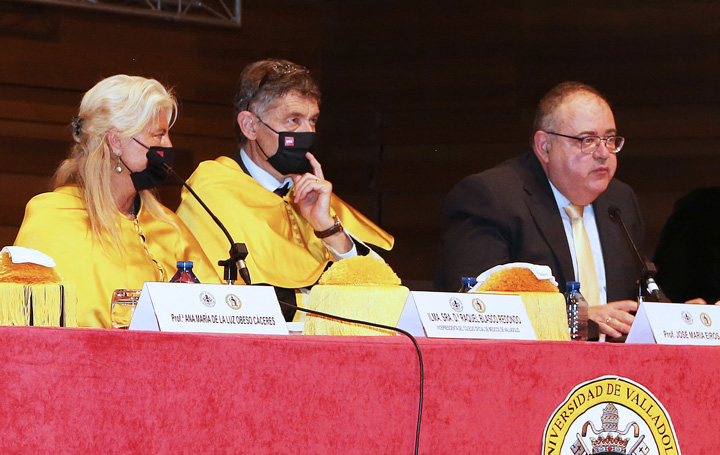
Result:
pixel 590 144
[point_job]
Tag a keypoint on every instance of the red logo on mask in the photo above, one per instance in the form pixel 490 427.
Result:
pixel 290 141
pixel 161 153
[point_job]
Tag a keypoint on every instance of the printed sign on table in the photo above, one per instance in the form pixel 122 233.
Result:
pixel 208 308
pixel 676 323
pixel 460 315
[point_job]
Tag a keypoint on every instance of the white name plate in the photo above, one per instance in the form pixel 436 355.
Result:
pixel 676 323
pixel 460 315
pixel 208 308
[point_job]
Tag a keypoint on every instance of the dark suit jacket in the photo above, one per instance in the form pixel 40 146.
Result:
pixel 508 214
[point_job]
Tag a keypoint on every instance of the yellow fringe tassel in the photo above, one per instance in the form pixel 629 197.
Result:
pixel 381 304
pixel 547 314
pixel 46 298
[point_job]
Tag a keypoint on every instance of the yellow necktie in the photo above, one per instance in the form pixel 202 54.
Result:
pixel 583 253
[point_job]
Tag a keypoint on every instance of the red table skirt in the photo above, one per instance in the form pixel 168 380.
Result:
pixel 111 391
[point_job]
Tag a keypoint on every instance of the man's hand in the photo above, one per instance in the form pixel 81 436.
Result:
pixel 312 196
pixel 614 319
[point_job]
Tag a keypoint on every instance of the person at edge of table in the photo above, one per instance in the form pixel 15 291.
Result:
pixel 688 253
pixel 272 194
pixel 102 224
pixel 516 212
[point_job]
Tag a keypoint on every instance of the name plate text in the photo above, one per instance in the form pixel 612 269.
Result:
pixel 676 323
pixel 460 315
pixel 208 308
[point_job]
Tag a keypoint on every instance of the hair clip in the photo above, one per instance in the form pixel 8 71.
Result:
pixel 77 124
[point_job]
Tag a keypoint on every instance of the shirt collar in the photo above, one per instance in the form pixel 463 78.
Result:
pixel 560 198
pixel 263 177
pixel 562 201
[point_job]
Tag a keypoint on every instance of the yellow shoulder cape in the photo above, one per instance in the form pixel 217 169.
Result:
pixel 283 249
pixel 58 225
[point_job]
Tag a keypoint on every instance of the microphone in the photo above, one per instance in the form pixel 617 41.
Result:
pixel 648 268
pixel 238 251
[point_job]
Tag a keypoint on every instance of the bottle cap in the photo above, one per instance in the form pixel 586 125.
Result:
pixel 572 285
pixel 184 264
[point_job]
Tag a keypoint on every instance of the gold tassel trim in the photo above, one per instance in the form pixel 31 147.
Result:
pixel 45 300
pixel 379 304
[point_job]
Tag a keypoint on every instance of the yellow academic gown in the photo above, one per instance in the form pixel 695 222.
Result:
pixel 57 224
pixel 283 249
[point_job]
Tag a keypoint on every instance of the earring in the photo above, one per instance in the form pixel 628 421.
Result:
pixel 118 169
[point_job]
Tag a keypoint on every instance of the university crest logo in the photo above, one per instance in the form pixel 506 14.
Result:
pixel 610 415
pixel 233 301
pixel 479 305
pixel 207 299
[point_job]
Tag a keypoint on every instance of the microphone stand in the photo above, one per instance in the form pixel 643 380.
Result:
pixel 653 291
pixel 238 251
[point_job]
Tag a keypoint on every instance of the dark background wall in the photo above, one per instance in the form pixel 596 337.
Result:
pixel 417 94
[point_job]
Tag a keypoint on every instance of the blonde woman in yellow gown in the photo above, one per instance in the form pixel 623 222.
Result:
pixel 102 224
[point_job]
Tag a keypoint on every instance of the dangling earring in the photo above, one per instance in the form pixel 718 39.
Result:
pixel 118 169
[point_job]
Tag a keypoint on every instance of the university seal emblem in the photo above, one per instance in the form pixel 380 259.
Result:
pixel 610 416
pixel 456 304
pixel 207 299
pixel 479 305
pixel 233 301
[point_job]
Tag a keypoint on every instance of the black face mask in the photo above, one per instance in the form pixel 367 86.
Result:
pixel 155 174
pixel 290 156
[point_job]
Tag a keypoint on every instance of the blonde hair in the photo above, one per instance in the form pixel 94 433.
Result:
pixel 126 105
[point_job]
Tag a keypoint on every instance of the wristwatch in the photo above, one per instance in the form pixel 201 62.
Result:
pixel 334 229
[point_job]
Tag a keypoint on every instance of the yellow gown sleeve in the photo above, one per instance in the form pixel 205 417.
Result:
pixel 57 224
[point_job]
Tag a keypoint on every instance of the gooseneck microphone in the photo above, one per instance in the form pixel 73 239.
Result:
pixel 648 268
pixel 238 251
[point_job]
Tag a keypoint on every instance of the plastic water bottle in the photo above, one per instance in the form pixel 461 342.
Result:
pixel 577 311
pixel 184 273
pixel 467 283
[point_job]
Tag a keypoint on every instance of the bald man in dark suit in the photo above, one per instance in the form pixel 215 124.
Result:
pixel 514 212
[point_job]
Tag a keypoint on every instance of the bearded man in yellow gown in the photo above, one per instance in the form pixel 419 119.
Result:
pixel 272 195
